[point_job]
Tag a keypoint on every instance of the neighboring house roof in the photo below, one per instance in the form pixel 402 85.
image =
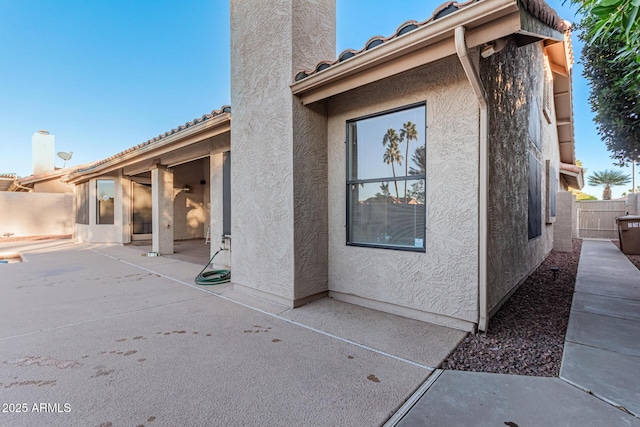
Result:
pixel 9 182
pixel 216 117
pixel 58 173
pixel 537 8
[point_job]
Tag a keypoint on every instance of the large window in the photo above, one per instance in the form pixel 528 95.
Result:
pixel 104 203
pixel 386 179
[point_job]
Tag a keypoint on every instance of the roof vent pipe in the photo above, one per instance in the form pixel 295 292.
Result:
pixel 483 176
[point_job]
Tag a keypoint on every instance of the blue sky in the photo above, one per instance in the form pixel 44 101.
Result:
pixel 105 75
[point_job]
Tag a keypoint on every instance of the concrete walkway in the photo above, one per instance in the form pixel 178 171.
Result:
pixel 602 348
pixel 102 336
pixel 598 384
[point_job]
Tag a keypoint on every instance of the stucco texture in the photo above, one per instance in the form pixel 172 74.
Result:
pixel 278 183
pixel 36 214
pixel 514 81
pixel 442 282
pixel 189 209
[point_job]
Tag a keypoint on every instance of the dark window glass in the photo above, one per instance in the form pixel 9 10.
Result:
pixel 535 198
pixel 82 203
pixel 142 211
pixel 552 190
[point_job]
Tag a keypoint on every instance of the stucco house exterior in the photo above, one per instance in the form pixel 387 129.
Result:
pixel 416 176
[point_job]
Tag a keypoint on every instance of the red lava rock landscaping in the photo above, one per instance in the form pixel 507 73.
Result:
pixel 526 336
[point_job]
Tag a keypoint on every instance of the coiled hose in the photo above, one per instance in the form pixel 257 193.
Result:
pixel 213 277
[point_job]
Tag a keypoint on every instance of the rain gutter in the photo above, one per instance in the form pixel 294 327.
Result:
pixel 483 172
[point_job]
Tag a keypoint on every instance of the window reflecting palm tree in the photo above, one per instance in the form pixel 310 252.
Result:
pixel 392 155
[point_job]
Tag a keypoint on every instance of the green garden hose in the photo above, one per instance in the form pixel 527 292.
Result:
pixel 213 277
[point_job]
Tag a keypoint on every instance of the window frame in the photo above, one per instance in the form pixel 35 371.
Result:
pixel 97 201
pixel 349 181
pixel 83 198
pixel 534 198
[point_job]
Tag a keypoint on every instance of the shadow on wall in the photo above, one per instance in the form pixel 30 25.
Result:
pixel 189 216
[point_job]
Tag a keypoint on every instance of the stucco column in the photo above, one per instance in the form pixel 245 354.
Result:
pixel 279 161
pixel 162 210
pixel 126 209
pixel 563 227
pixel 216 194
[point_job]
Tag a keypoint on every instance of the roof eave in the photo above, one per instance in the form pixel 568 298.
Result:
pixel 215 126
pixel 561 61
pixel 426 44
pixel 573 175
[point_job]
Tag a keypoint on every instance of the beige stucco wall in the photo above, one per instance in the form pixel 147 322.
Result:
pixel 513 78
pixel 440 285
pixel 106 233
pixel 563 228
pixel 189 209
pixel 36 214
pixel 278 166
pixel 216 196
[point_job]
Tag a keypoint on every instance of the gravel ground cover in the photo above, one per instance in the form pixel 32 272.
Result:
pixel 526 336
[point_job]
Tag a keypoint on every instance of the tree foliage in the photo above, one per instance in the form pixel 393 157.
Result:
pixel 619 17
pixel 612 68
pixel 582 196
pixel 608 178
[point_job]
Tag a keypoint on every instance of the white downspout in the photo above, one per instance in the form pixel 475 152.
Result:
pixel 478 88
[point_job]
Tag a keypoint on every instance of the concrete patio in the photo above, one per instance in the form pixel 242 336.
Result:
pixel 108 337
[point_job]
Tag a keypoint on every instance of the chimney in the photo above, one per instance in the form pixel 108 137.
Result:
pixel 42 152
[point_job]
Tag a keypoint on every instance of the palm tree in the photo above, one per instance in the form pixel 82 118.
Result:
pixel 608 178
pixel 408 133
pixel 419 158
pixel 392 155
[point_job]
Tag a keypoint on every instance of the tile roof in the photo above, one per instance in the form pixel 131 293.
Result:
pixel 538 8
pixel 215 113
pixel 546 14
pixel 9 182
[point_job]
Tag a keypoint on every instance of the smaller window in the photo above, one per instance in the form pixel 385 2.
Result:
pixel 535 198
pixel 105 201
pixel 552 189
